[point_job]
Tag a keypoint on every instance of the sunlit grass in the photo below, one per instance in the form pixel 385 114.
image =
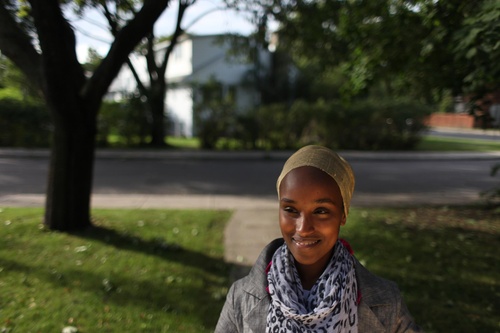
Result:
pixel 137 271
pixel 427 143
pixel 436 143
pixel 183 143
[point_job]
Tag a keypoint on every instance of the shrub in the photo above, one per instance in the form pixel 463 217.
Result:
pixel 126 120
pixel 362 125
pixel 24 123
pixel 271 124
pixel 214 112
pixel 282 127
pixel 247 130
pixel 372 125
pixel 213 121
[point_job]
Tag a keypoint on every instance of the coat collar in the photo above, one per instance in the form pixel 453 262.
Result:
pixel 372 295
pixel 257 278
pixel 256 285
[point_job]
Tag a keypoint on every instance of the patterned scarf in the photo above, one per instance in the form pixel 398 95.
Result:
pixel 332 302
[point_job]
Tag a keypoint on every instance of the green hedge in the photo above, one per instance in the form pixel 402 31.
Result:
pixel 125 120
pixel 363 125
pixel 373 125
pixel 28 124
pixel 24 124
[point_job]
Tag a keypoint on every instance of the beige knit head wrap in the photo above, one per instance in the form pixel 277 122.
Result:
pixel 327 161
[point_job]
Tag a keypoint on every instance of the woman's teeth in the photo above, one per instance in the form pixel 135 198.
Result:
pixel 306 243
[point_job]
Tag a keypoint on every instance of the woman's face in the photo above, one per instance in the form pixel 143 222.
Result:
pixel 310 216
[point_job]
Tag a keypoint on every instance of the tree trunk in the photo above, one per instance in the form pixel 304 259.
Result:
pixel 72 98
pixel 71 169
pixel 157 107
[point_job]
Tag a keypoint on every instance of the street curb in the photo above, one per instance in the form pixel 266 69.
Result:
pixel 253 155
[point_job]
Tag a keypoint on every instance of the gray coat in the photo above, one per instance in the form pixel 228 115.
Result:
pixel 381 308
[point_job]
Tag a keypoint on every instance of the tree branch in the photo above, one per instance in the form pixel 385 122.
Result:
pixel 113 24
pixel 150 58
pixel 175 37
pixel 125 42
pixel 59 59
pixel 140 85
pixel 201 16
pixel 16 45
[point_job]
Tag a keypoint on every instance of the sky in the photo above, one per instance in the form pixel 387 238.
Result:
pixel 91 31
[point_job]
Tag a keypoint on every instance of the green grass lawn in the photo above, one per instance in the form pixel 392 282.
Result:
pixel 436 143
pixel 183 143
pixel 163 271
pixel 137 271
pixel 428 143
pixel 444 259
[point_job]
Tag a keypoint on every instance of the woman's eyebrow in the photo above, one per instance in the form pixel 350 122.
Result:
pixel 319 201
pixel 325 200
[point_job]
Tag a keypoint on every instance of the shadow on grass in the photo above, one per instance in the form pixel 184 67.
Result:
pixel 133 274
pixel 195 292
pixel 194 301
pixel 156 247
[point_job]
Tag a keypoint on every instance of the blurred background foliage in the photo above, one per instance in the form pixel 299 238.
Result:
pixel 347 74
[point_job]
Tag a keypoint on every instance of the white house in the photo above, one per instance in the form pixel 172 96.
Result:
pixel 197 59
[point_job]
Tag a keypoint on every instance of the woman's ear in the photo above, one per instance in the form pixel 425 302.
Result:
pixel 343 219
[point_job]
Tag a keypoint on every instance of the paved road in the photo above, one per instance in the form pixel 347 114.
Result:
pixel 388 178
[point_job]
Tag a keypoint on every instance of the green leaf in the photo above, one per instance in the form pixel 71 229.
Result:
pixel 471 53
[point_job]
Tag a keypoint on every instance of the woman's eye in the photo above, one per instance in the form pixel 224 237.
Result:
pixel 321 211
pixel 289 210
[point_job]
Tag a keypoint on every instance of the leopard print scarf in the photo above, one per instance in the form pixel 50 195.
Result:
pixel 332 302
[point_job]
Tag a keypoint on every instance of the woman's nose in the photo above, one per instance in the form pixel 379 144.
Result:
pixel 304 224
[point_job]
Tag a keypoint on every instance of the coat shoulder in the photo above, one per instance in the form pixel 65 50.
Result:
pixel 382 308
pixel 375 289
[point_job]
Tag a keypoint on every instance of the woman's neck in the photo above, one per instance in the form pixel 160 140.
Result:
pixel 309 274
pixel 308 277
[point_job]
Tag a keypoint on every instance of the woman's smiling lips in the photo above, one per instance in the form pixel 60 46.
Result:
pixel 305 242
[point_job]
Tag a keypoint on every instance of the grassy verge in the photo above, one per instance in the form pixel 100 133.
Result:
pixel 428 143
pixel 435 143
pixel 138 271
pixel 183 143
pixel 162 271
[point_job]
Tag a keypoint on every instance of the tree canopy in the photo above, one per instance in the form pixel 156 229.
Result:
pixel 421 48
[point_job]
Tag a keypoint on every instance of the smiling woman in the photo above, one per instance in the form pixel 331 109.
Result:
pixel 310 281
pixel 310 216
